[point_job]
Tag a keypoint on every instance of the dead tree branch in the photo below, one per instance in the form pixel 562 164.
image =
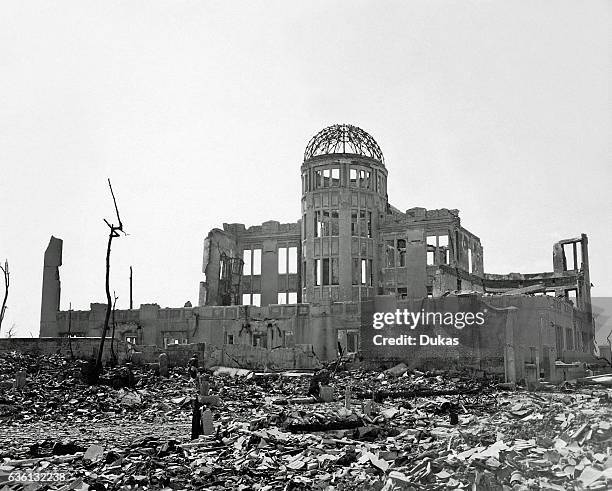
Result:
pixel 113 233
pixel 6 274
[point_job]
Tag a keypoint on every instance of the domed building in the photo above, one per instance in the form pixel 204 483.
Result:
pixel 292 295
pixel 349 244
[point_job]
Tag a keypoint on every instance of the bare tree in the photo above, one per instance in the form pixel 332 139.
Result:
pixel 113 233
pixel 5 272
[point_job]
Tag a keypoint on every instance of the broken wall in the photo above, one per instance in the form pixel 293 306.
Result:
pixel 51 287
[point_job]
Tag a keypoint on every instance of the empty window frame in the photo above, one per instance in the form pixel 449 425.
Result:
pixel 292 298
pixel 251 299
pixel 318 224
pixel 354 223
pixel 402 292
pixel 365 275
pixel 572 253
pixel 364 179
pixel 363 228
pixel 287 260
pixel 282 260
pixel 437 245
pixel 282 298
pixel 401 250
pixel 292 259
pixel 256 262
pixel 335 176
pixel 470 266
pixel 352 341
pixel 353 177
pixel 335 222
pixel 431 258
pixel 247 255
pixel 443 248
pixel 364 271
pixel 327 272
pixel 318 179
pixel 326 178
pixel 229 338
pixel 390 253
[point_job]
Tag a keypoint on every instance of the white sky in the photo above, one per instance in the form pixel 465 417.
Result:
pixel 199 112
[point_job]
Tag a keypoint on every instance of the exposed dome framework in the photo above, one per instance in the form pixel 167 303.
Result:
pixel 343 138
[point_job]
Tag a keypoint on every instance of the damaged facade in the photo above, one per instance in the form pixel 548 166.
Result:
pixel 300 285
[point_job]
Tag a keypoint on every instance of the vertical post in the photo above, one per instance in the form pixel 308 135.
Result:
pixel 131 303
pixel 509 354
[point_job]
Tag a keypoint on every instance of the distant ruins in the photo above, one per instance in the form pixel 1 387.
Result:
pixel 300 285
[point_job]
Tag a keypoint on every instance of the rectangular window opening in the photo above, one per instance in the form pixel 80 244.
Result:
pixel 325 272
pixel 390 253
pixel 430 258
pixel 470 266
pixel 364 272
pixel 282 260
pixel 353 177
pixel 401 249
pixel 335 176
pixel 256 262
pixel 293 260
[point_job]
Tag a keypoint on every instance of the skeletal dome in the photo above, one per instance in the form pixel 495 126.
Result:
pixel 343 139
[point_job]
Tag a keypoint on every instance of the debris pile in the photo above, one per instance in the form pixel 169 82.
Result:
pixel 400 429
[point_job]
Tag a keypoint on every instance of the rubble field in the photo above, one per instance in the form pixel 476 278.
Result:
pixel 381 430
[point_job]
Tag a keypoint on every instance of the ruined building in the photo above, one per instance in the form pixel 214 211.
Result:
pixel 299 285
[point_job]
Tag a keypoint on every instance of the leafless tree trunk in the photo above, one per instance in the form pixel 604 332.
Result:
pixel 113 232
pixel 70 330
pixel 113 353
pixel 5 271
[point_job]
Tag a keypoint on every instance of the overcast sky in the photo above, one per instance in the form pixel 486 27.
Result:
pixel 199 112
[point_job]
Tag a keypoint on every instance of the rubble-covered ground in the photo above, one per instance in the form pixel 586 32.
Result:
pixel 434 430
